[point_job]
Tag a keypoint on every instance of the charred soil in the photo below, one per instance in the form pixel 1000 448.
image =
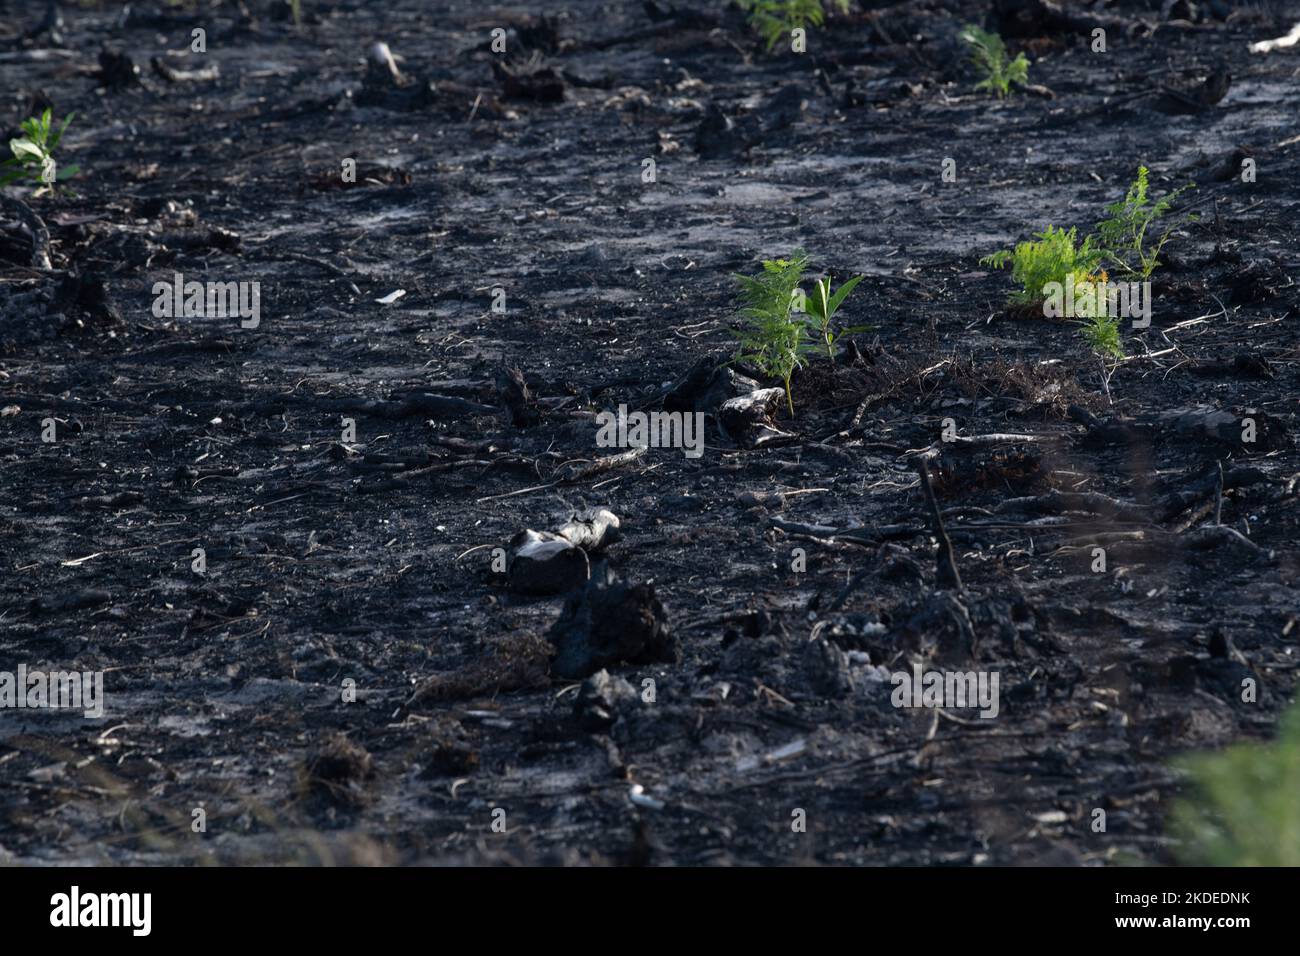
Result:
pixel 279 542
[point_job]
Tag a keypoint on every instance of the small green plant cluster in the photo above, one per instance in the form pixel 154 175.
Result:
pixel 785 325
pixel 989 54
pixel 1102 334
pixel 33 154
pixel 1242 808
pixel 1123 241
pixel 1052 257
pixel 1056 255
pixel 1123 236
pixel 775 19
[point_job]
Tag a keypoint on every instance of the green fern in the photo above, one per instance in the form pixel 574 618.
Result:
pixel 1052 257
pixel 989 54
pixel 1123 237
pixel 773 340
pixel 1242 808
pixel 1102 334
pixel 775 19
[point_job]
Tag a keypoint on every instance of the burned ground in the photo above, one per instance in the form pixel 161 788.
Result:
pixel 336 561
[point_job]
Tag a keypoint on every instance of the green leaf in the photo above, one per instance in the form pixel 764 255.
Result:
pixel 59 134
pixel 838 298
pixel 23 147
pixel 817 301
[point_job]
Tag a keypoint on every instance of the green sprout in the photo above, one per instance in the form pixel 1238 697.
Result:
pixel 33 154
pixel 774 339
pixel 1102 334
pixel 1053 257
pixel 1057 256
pixel 1242 808
pixel 775 19
pixel 1120 240
pixel 989 54
pixel 822 307
pixel 1123 237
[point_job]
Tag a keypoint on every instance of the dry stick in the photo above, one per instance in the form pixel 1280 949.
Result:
pixel 946 575
pixel 854 583
pixel 173 75
pixel 402 479
pixel 826 532
pixel 1213 536
pixel 831 542
pixel 1218 497
pixel 871 399
pixel 1057 501
pixel 577 470
pixel 36 226
pixel 325 264
pixel 1193 516
pixel 572 472
pixel 997 438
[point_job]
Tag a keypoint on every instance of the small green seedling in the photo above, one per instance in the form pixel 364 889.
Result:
pixel 1242 808
pixel 1055 255
pixel 822 307
pixel 1120 240
pixel 774 338
pixel 1123 237
pixel 989 54
pixel 33 154
pixel 1102 335
pixel 775 19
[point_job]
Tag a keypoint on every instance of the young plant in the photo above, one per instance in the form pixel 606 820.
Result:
pixel 33 154
pixel 774 338
pixel 1242 808
pixel 775 19
pixel 1102 335
pixel 989 54
pixel 1052 257
pixel 1123 237
pixel 822 306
